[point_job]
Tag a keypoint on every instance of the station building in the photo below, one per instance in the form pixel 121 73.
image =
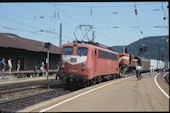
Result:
pixel 31 53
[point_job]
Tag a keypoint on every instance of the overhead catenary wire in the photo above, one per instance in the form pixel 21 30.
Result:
pixel 138 27
pixel 26 24
pixel 65 13
pixel 40 11
pixel 165 16
pixel 107 6
pixel 91 14
pixel 37 29
pixel 93 17
pixel 100 22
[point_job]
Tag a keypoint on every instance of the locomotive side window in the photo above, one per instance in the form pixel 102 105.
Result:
pixel 107 55
pixel 68 50
pixel 82 51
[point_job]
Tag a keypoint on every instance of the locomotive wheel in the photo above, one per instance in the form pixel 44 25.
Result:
pixel 67 84
pixel 90 82
pixel 115 76
pixel 86 83
pixel 98 80
pixel 111 77
pixel 93 81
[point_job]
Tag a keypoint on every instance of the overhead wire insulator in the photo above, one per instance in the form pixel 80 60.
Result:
pixel 141 32
pixel 54 14
pixel 41 17
pixel 136 12
pixel 91 11
pixel 162 6
pixel 34 17
pixel 58 14
pixel 164 18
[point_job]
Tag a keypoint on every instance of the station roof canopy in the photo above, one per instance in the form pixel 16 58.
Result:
pixel 8 40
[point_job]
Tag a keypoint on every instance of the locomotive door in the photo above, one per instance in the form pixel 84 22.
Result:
pixel 95 61
pixel 130 59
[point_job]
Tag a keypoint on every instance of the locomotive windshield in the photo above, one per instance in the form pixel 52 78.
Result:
pixel 68 50
pixel 82 51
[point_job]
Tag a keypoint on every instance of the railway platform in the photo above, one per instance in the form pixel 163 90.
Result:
pixel 123 94
pixel 20 76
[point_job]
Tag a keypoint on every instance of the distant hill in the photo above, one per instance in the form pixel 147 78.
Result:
pixel 156 45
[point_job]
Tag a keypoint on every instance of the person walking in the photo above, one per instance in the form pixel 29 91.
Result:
pixel 3 64
pixel 150 71
pixel 18 65
pixel 138 72
pixel 10 65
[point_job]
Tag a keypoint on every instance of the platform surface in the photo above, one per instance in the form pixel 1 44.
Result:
pixel 124 94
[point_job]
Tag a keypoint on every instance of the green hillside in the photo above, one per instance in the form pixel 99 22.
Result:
pixel 157 47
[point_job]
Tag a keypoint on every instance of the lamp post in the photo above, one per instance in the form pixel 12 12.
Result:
pixel 123 47
pixel 162 57
pixel 47 45
pixel 142 49
pixel 166 58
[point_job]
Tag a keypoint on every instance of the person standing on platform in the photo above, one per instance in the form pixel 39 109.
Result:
pixel 42 68
pixel 10 65
pixel 37 71
pixel 58 66
pixel 18 65
pixel 3 64
pixel 150 71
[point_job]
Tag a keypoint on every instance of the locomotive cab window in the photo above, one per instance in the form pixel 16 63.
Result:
pixel 82 51
pixel 68 50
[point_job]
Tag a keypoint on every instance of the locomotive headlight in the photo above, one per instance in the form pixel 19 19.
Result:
pixel 62 64
pixel 83 66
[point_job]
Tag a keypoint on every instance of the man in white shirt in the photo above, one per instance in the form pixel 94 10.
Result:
pixel 138 71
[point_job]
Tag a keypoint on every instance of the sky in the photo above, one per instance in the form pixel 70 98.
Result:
pixel 113 23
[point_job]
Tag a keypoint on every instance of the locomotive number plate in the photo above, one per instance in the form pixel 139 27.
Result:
pixel 73 60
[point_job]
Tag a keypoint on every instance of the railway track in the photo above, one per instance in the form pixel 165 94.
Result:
pixel 25 101
pixel 167 77
pixel 163 82
pixel 19 89
pixel 4 87
pixel 19 95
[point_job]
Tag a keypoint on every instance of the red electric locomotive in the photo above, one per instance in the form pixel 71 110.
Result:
pixel 127 62
pixel 123 59
pixel 126 59
pixel 87 63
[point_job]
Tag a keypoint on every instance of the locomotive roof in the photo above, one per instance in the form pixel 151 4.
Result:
pixel 95 44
